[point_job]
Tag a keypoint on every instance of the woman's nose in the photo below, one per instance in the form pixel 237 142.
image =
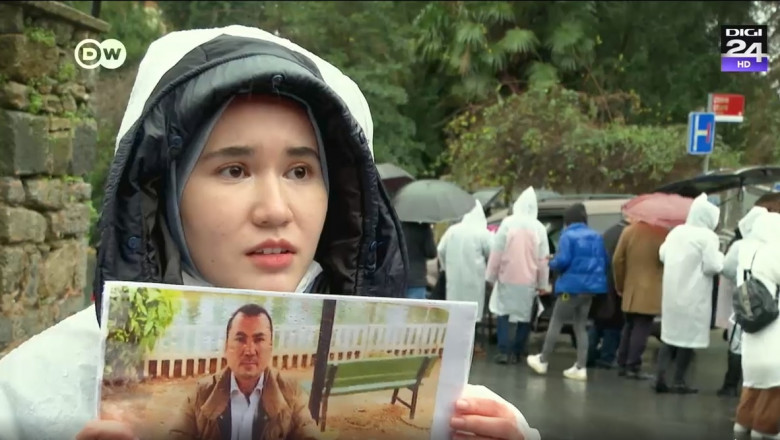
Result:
pixel 271 207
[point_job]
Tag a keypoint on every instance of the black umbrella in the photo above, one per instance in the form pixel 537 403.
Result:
pixel 393 176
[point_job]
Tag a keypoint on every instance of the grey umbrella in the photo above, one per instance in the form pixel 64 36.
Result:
pixel 432 201
pixel 393 176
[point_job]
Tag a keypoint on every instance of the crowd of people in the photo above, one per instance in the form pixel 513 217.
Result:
pixel 612 287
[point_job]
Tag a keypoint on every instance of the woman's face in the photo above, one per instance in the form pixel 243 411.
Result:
pixel 255 203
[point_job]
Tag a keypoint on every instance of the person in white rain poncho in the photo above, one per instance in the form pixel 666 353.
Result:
pixel 691 256
pixel 733 374
pixel 463 251
pixel 759 404
pixel 235 144
pixel 519 270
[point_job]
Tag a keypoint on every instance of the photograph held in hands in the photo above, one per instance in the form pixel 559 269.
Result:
pixel 193 362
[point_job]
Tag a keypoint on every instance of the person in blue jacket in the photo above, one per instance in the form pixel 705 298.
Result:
pixel 582 263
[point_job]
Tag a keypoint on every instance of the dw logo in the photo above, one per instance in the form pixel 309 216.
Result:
pixel 91 54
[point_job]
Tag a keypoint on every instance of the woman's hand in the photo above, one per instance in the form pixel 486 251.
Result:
pixel 106 430
pixel 112 425
pixel 482 414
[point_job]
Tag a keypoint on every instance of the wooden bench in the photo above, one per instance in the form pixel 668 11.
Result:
pixel 376 374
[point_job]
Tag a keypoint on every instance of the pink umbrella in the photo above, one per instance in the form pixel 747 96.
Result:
pixel 660 209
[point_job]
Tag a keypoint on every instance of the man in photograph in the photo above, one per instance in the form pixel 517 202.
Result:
pixel 247 400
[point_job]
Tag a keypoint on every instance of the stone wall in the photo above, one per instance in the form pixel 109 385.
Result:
pixel 47 145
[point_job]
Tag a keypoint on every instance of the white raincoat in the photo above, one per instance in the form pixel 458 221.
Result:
pixel 463 251
pixel 761 350
pixel 729 278
pixel 518 261
pixel 691 257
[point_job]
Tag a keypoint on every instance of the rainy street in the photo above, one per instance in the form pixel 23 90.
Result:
pixel 608 406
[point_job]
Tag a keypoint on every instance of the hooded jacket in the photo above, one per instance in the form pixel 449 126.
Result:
pixel 48 384
pixel 745 226
pixel 760 253
pixel 185 76
pixel 691 257
pixel 518 260
pixel 463 251
pixel 581 258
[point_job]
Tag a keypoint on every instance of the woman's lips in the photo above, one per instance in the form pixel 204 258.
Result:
pixel 272 261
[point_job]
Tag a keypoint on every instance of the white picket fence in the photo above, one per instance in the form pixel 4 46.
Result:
pixel 193 350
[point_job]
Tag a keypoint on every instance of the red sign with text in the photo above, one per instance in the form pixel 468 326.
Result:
pixel 727 107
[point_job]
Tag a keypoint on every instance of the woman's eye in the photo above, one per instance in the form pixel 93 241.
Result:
pixel 233 172
pixel 299 173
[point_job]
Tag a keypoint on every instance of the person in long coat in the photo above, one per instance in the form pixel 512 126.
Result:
pixel 518 270
pixel 691 256
pixel 463 252
pixel 758 411
pixel 638 274
pixel 733 376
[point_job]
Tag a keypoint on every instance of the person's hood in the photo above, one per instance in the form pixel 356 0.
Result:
pixel 765 228
pixel 526 204
pixel 749 220
pixel 703 213
pixel 182 79
pixel 575 213
pixel 476 217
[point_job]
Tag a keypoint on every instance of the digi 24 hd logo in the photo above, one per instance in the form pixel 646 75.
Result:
pixel 744 48
pixel 91 54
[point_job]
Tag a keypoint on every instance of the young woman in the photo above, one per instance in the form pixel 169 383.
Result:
pixel 582 263
pixel 242 161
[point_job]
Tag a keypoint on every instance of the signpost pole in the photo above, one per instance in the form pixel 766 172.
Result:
pixel 705 163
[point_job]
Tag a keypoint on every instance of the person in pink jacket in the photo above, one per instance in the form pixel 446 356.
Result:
pixel 518 270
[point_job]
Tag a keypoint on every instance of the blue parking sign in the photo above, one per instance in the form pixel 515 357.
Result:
pixel 701 133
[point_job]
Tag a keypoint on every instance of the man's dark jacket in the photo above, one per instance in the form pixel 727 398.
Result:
pixel 420 247
pixel 605 309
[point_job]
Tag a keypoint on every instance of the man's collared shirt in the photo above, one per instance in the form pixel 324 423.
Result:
pixel 243 409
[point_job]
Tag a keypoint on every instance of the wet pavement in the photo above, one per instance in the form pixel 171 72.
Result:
pixel 612 407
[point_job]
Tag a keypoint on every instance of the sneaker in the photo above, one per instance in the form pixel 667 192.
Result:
pixel 728 392
pixel 741 432
pixel 660 387
pixel 536 364
pixel 682 388
pixel 501 359
pixel 576 373
pixel 739 429
pixel 755 435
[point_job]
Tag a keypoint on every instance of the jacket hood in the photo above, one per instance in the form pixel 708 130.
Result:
pixel 183 78
pixel 476 217
pixel 749 220
pixel 765 228
pixel 703 213
pixel 526 204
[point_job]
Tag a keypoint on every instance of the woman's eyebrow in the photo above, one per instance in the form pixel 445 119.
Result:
pixel 303 152
pixel 231 152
